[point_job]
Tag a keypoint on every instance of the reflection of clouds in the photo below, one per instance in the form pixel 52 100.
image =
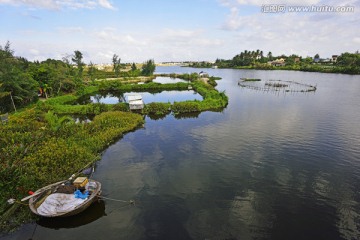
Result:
pixel 245 210
pixel 240 218
pixel 188 178
pixel 253 129
pixel 348 223
pixel 300 143
pixel 160 132
pixel 164 80
pixel 283 176
pixel 321 185
pixel 125 171
pixel 266 158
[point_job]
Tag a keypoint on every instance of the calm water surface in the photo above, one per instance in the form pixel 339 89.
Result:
pixel 270 166
pixel 163 96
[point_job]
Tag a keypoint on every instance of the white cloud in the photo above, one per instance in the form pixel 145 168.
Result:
pixel 60 4
pixel 114 36
pixel 288 33
pixel 356 40
pixel 48 4
pixel 179 33
pixel 34 51
pixel 70 30
pixel 106 4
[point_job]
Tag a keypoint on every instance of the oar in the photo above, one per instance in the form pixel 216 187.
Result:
pixel 41 190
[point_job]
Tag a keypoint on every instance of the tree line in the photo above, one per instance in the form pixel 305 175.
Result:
pixel 344 63
pixel 23 82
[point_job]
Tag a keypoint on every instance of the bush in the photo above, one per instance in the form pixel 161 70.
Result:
pixel 157 108
pixel 186 107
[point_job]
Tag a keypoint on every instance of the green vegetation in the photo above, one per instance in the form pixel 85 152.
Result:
pixel 348 63
pixel 22 81
pixel 116 65
pixel 148 68
pixel 160 109
pixel 38 148
pixel 17 87
pixel 201 64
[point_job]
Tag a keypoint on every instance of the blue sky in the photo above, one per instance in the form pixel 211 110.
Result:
pixel 174 30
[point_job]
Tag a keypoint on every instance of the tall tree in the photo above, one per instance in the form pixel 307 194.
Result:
pixel 148 68
pixel 91 72
pixel 116 64
pixel 133 67
pixel 77 60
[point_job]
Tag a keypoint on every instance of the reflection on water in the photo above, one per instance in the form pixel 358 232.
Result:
pixel 164 80
pixel 148 97
pixel 266 167
pixel 92 213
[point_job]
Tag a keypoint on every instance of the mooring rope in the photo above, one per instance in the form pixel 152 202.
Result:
pixel 118 200
pixel 11 201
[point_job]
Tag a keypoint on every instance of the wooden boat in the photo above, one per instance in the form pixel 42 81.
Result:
pixel 250 79
pixel 46 195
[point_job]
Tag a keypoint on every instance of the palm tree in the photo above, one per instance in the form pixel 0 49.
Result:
pixel 55 123
pixel 257 53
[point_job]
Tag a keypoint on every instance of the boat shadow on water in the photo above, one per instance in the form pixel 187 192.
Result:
pixel 94 212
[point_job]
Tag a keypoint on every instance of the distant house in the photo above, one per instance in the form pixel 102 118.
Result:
pixel 316 60
pixel 278 62
pixel 203 74
pixel 325 60
pixel 334 58
pixel 297 59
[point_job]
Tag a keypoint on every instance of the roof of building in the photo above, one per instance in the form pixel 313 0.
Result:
pixel 133 97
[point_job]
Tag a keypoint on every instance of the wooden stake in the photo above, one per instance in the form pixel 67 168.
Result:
pixel 12 100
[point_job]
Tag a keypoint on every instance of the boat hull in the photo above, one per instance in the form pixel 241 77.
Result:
pixel 36 201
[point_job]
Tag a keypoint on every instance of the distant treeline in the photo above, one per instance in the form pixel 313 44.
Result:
pixel 348 63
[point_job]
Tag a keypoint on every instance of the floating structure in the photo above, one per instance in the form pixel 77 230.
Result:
pixel 277 86
pixel 250 79
pixel 135 102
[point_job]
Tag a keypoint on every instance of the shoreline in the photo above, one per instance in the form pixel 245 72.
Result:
pixel 336 70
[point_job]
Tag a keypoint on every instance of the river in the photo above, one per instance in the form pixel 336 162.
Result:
pixel 271 165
